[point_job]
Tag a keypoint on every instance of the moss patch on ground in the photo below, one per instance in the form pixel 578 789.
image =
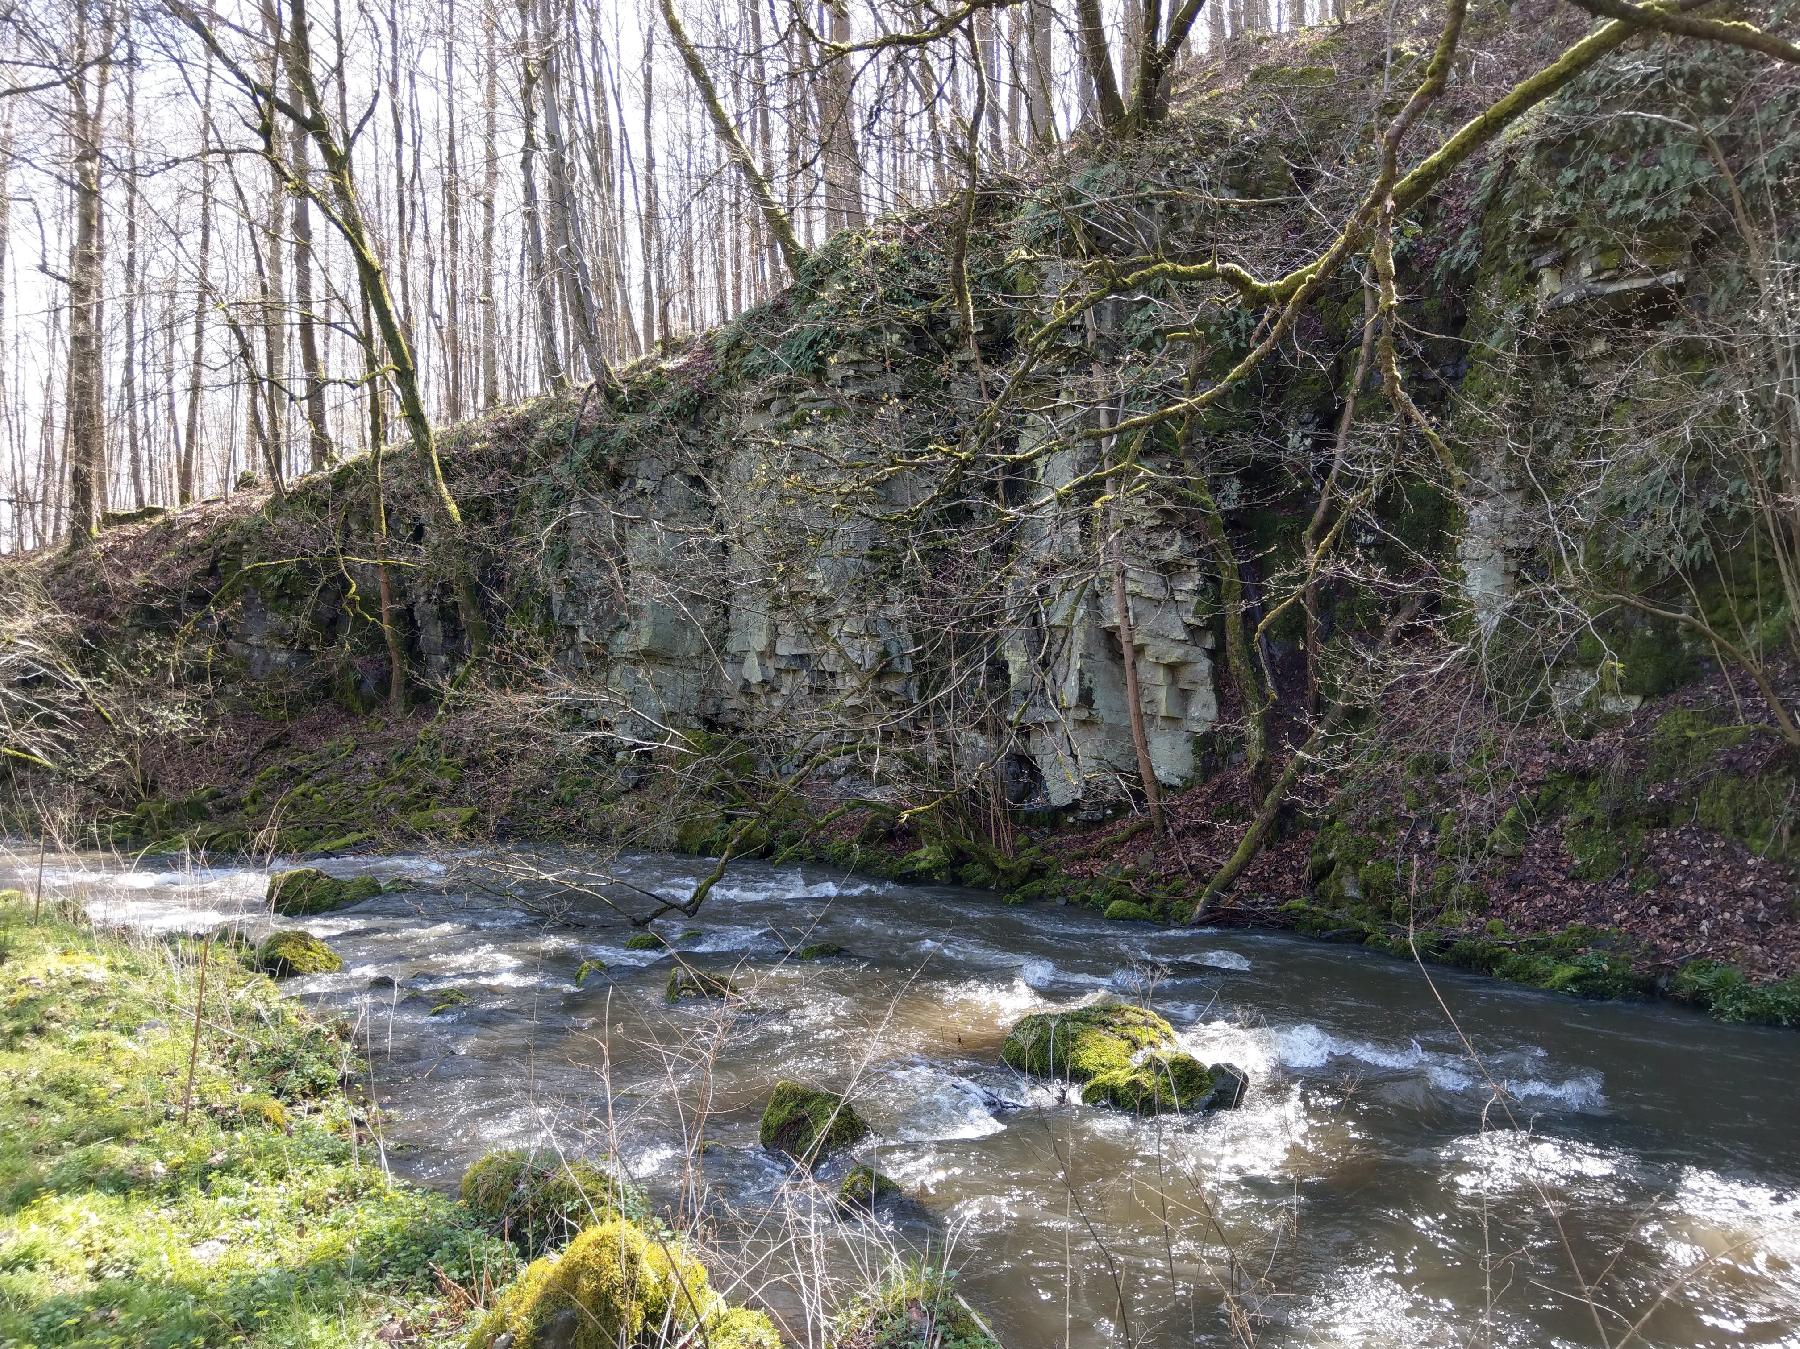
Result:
pixel 249 1218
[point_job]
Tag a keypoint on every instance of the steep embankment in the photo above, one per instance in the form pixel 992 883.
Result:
pixel 845 577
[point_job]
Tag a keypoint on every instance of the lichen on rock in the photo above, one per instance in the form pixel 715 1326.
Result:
pixel 917 1305
pixel 685 982
pixel 1168 1082
pixel 863 1188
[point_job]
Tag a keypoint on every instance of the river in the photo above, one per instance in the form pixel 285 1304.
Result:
pixel 1419 1162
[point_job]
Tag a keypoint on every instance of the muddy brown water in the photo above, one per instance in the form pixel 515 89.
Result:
pixel 1537 1171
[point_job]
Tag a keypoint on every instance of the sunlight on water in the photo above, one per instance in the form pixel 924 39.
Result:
pixel 1378 1186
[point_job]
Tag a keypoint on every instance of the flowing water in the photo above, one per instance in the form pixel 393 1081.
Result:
pixel 1540 1171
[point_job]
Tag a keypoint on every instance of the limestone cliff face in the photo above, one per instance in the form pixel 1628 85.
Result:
pixel 805 531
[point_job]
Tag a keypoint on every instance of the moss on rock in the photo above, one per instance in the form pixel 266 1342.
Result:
pixel 1167 1082
pixel 809 1124
pixel 293 952
pixel 864 1188
pixel 1081 1045
pixel 690 983
pixel 1129 911
pixel 820 950
pixel 614 1285
pixel 539 1200
pixel 645 941
pixel 307 890
pixel 447 1000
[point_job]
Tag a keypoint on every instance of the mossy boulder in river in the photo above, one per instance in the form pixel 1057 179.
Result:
pixel 645 941
pixel 614 1286
pixel 686 983
pixel 1168 1082
pixel 307 890
pixel 292 952
pixel 808 1124
pixel 1089 1042
pixel 864 1188
pixel 539 1200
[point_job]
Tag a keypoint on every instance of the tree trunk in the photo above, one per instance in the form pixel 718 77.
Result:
pixel 490 192
pixel 1096 56
pixel 537 272
pixel 320 450
pixel 187 474
pixel 85 437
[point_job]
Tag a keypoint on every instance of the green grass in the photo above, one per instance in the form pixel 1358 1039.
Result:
pixel 258 1219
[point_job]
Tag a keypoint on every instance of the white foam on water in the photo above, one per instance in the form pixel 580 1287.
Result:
pixel 1010 1000
pixel 1523 1164
pixel 1305 1047
pixel 1041 974
pixel 1747 1223
pixel 920 1102
pixel 1367 1307
pixel 1222 960
pixel 722 937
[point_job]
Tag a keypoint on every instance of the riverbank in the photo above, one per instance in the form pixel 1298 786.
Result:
pixel 1647 854
pixel 246 1208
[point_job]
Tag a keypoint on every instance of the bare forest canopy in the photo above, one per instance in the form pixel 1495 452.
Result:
pixel 539 180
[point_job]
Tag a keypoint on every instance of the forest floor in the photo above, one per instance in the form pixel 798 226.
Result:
pixel 247 1208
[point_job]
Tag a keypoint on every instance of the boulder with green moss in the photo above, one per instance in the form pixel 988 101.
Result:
pixel 1129 911
pixel 820 950
pixel 617 1286
pixel 446 1000
pixel 690 983
pixel 1161 1083
pixel 809 1124
pixel 864 1188
pixel 645 941
pixel 293 952
pixel 307 890
pixel 539 1200
pixel 1086 1043
pixel 915 1306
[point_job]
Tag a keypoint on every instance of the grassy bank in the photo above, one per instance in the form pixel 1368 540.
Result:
pixel 247 1211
